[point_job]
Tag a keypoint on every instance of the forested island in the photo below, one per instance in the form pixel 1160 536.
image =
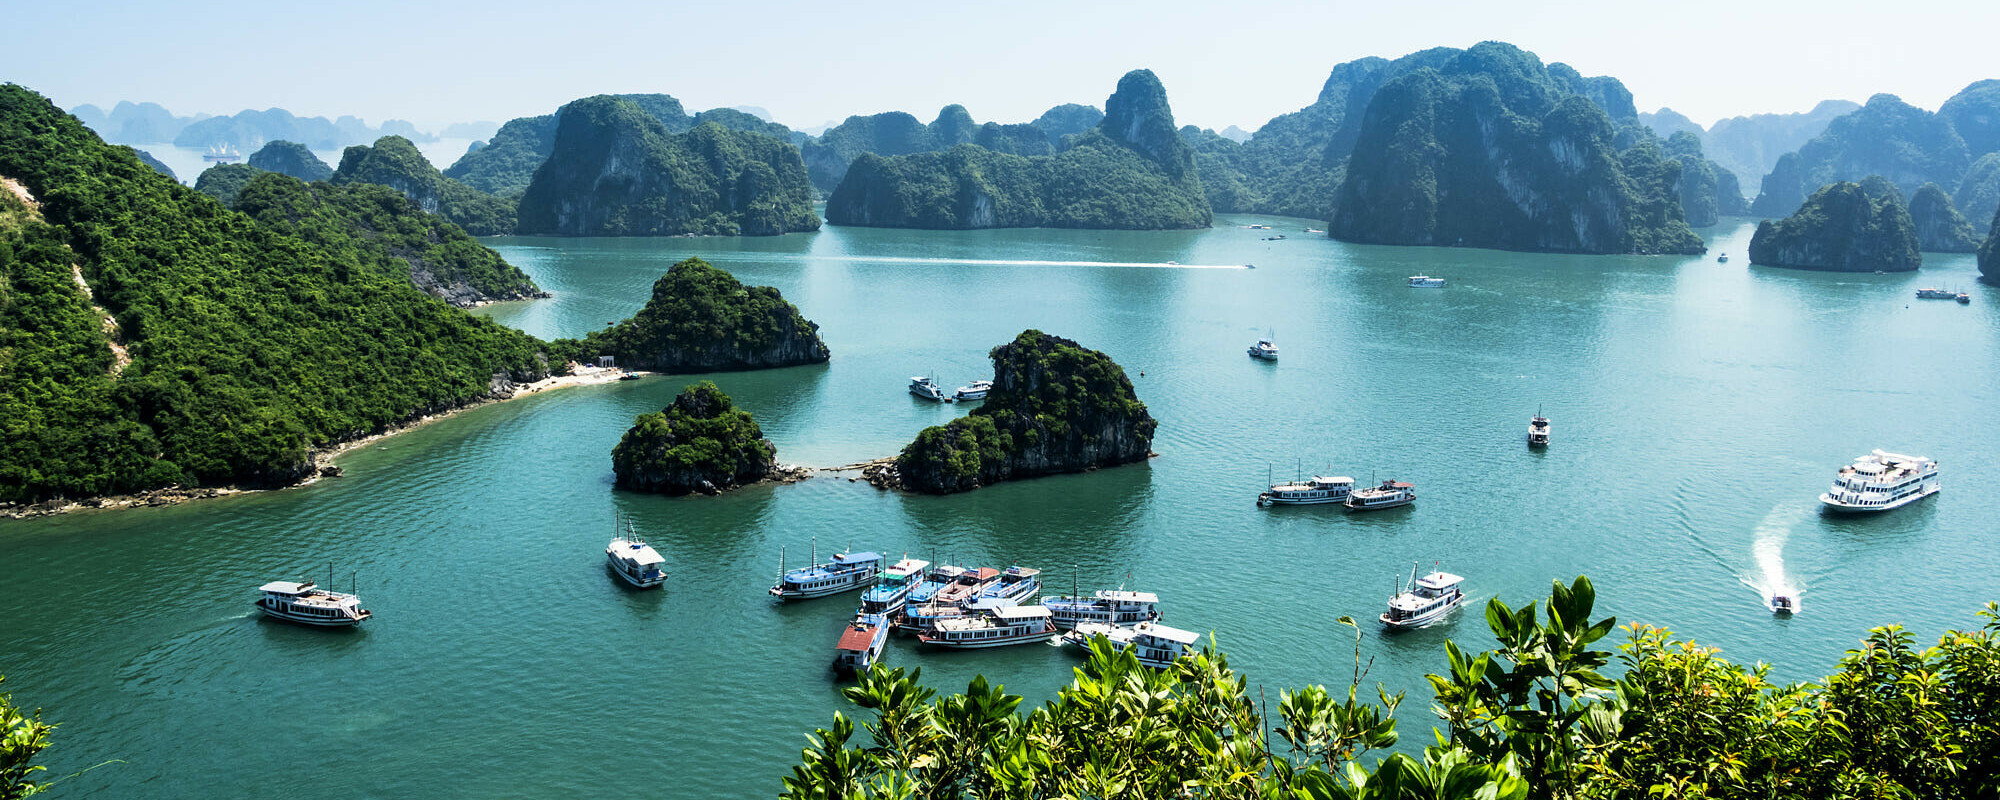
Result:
pixel 1843 227
pixel 1055 407
pixel 701 443
pixel 701 319
pixel 290 158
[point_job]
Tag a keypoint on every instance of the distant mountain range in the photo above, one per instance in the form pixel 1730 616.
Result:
pixel 247 130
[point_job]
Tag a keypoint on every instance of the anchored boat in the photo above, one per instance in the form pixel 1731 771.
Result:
pixel 1936 294
pixel 992 627
pixel 1264 349
pixel 1538 430
pixel 845 573
pixel 1881 481
pixel 889 593
pixel 1390 494
pixel 924 388
pixel 1155 645
pixel 1016 585
pixel 950 601
pixel 307 604
pixel 1426 282
pixel 861 643
pixel 1319 489
pixel 977 390
pixel 1423 600
pixel 1113 607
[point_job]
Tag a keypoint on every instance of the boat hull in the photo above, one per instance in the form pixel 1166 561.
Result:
pixel 1426 618
pixel 635 581
pixel 1354 506
pixel 982 644
pixel 1830 505
pixel 1267 500
pixel 317 622
pixel 809 594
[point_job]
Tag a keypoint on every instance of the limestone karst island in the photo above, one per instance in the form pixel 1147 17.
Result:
pixel 882 402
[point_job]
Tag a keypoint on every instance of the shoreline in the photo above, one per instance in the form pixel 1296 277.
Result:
pixel 322 459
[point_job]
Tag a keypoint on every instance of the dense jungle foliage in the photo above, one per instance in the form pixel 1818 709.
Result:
pixel 394 162
pixel 701 442
pixel 1844 227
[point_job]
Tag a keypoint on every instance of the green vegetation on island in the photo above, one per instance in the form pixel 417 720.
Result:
pixel 701 319
pixel 1749 146
pixel 1940 228
pixel 1537 716
pixel 1495 150
pixel 22 737
pixel 1989 253
pixel 381 224
pixel 291 158
pixel 393 161
pixel 148 159
pixel 224 181
pixel 700 443
pixel 209 349
pixel 1132 171
pixel 615 170
pixel 1978 196
pixel 1888 137
pixel 249 129
pixel 1055 407
pixel 1843 227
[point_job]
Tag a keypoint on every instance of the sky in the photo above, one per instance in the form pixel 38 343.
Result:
pixel 435 63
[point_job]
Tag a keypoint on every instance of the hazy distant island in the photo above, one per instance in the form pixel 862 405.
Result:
pixel 244 131
pixel 1905 144
pixel 1055 407
pixel 1749 146
pixel 1131 171
pixel 700 443
pixel 1843 227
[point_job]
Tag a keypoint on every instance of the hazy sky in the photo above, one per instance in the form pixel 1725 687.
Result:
pixel 809 62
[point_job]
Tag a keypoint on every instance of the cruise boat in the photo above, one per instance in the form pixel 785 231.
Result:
pixel 1114 607
pixel 222 153
pixel 1016 584
pixel 1319 489
pixel 1936 294
pixel 1538 431
pixel 1155 645
pixel 975 391
pixel 992 627
pixel 845 573
pixel 861 643
pixel 1264 349
pixel 1784 605
pixel 630 558
pixel 950 601
pixel 1881 481
pixel 307 604
pixel 1390 494
pixel 889 594
pixel 1426 282
pixel 924 388
pixel 1424 600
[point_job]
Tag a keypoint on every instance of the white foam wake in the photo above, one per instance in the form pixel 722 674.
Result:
pixel 1768 547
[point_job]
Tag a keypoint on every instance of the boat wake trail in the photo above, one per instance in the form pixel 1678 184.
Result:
pixel 1008 262
pixel 1768 547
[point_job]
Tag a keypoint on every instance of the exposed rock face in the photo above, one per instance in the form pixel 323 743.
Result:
pixel 701 443
pixel 1493 150
pixel 615 170
pixel 1940 228
pixel 1707 191
pixel 1132 172
pixel 1055 407
pixel 1843 227
pixel 291 158
pixel 1989 253
pixel 701 319
pixel 393 161
pixel 1888 137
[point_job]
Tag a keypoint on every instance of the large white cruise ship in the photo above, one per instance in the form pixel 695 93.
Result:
pixel 1881 481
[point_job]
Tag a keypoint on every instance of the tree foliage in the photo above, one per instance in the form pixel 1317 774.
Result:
pixel 1846 227
pixel 394 161
pixel 291 158
pixel 702 442
pixel 701 319
pixel 22 736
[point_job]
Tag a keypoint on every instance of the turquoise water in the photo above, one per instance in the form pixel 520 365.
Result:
pixel 1699 409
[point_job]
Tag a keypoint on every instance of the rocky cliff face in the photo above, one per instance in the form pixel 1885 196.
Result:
pixel 701 319
pixel 1843 227
pixel 1137 114
pixel 1708 192
pixel 291 158
pixel 701 443
pixel 1989 253
pixel 614 170
pixel 1490 151
pixel 1055 407
pixel 1940 228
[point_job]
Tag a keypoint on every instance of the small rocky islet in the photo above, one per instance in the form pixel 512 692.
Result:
pixel 700 443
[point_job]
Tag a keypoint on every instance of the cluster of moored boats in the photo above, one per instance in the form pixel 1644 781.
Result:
pixel 924 388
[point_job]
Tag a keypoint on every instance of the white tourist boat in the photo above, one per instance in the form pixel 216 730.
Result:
pixel 307 604
pixel 1264 349
pixel 861 643
pixel 1426 282
pixel 977 390
pixel 222 154
pixel 1538 430
pixel 992 627
pixel 1881 481
pixel 1155 645
pixel 924 388
pixel 1424 600
pixel 889 593
pixel 1931 293
pixel 846 572
pixel 1390 494
pixel 953 600
pixel 1314 491
pixel 1103 607
pixel 1016 585
pixel 631 558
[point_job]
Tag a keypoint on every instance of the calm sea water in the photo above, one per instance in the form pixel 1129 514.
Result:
pixel 1699 409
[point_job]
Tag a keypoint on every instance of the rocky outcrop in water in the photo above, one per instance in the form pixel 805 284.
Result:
pixel 291 158
pixel 1055 407
pixel 1940 228
pixel 1843 227
pixel 615 170
pixel 701 443
pixel 701 319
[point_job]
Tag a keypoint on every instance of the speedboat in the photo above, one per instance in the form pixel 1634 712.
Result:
pixel 861 643
pixel 1964 298
pixel 1390 494
pixel 924 388
pixel 845 573
pixel 1426 282
pixel 1880 482
pixel 307 604
pixel 1722 259
pixel 1314 491
pixel 1264 349
pixel 1424 600
pixel 976 391
pixel 1784 605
